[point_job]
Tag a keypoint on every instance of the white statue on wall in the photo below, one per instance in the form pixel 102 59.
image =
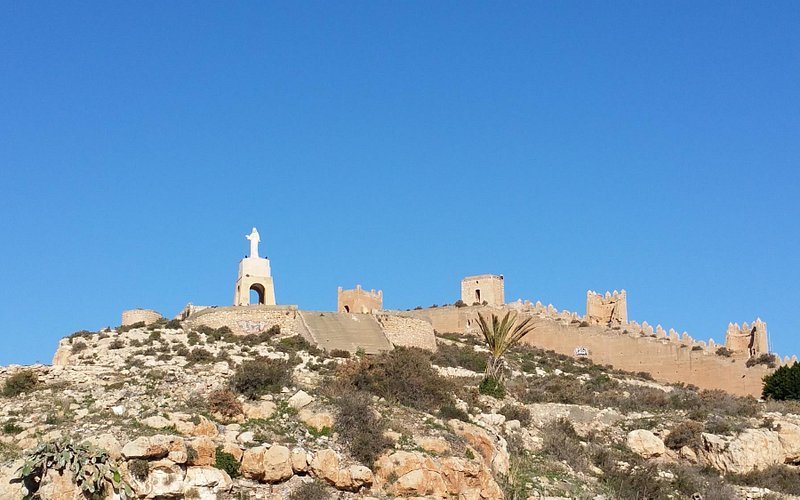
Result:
pixel 254 239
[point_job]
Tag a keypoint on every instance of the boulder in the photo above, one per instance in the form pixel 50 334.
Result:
pixel 205 428
pixel 404 473
pixel 108 443
pixel 277 464
pixel 301 399
pixel 146 447
pixel 165 479
pixel 157 422
pixel 253 463
pixel 259 410
pixel 206 483
pixel 325 465
pixel 751 449
pixel 299 460
pixel 316 420
pixel 645 444
pixel 789 437
pixel 233 449
pixel 205 452
pixel 491 447
pixel 432 444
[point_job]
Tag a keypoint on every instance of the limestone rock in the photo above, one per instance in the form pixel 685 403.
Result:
pixel 316 420
pixel 253 463
pixel 59 486
pixel 108 443
pixel 645 444
pixel 205 428
pixel 277 464
pixel 145 447
pixel 301 399
pixel 299 460
pixel 259 410
pixel 157 422
pixel 751 449
pixel 165 479
pixel 205 452
pixel 233 449
pixel 406 473
pixel 207 482
pixel 432 444
pixel 492 448
pixel 325 465
pixel 789 437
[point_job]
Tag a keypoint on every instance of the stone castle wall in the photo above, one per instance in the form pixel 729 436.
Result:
pixel 407 331
pixel 667 355
pixel 608 308
pixel 249 320
pixel 133 316
pixel 489 288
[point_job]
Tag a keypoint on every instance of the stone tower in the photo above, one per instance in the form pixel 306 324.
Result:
pixel 608 308
pixel 749 340
pixel 254 274
pixel 358 300
pixel 482 288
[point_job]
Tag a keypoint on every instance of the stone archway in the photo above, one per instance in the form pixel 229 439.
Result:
pixel 260 292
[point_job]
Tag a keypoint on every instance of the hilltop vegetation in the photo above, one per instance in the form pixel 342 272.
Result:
pixel 207 414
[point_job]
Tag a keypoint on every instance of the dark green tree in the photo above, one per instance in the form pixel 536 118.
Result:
pixel 783 383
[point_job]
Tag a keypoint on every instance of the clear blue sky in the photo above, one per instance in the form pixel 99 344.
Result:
pixel 651 146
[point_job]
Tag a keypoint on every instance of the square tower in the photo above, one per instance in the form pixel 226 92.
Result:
pixel 483 288
pixel 358 300
pixel 611 308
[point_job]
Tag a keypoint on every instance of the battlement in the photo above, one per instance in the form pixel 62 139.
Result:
pixel 358 300
pixel 749 340
pixel 611 308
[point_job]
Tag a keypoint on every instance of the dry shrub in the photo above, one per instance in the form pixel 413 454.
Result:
pixel 359 428
pixel 780 478
pixel 516 412
pixel 224 402
pixel 260 376
pixel 459 356
pixel 560 441
pixel 684 434
pixel 706 482
pixel 22 381
pixel 403 375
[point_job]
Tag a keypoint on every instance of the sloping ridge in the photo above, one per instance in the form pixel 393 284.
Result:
pixel 346 331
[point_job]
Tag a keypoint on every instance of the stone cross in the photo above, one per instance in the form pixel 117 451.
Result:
pixel 254 239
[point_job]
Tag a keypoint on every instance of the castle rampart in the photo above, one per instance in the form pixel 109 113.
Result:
pixel 146 316
pixel 747 340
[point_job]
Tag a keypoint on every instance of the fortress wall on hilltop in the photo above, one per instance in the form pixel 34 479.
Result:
pixel 407 331
pixel 133 316
pixel 667 356
pixel 250 319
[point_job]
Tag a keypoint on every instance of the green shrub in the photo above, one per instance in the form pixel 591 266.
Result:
pixel 261 376
pixel 227 462
pixel 11 427
pixel 182 351
pixel 402 375
pixel 154 336
pixel 22 381
pixel 491 387
pixel 297 343
pixel 359 428
pixel 783 383
pixel 450 411
pixel 517 412
pixel 173 324
pixel 116 344
pixel 459 356
pixel 200 355
pixel 139 468
pixel 224 402
pixel 460 303
pixel 339 353
pixel 78 346
pixel 126 328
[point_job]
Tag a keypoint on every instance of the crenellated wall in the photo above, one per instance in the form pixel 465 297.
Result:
pixel 611 308
pixel 358 300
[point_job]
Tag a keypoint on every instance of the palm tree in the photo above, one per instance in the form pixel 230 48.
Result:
pixel 500 336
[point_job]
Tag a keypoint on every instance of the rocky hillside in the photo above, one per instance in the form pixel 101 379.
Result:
pixel 159 412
